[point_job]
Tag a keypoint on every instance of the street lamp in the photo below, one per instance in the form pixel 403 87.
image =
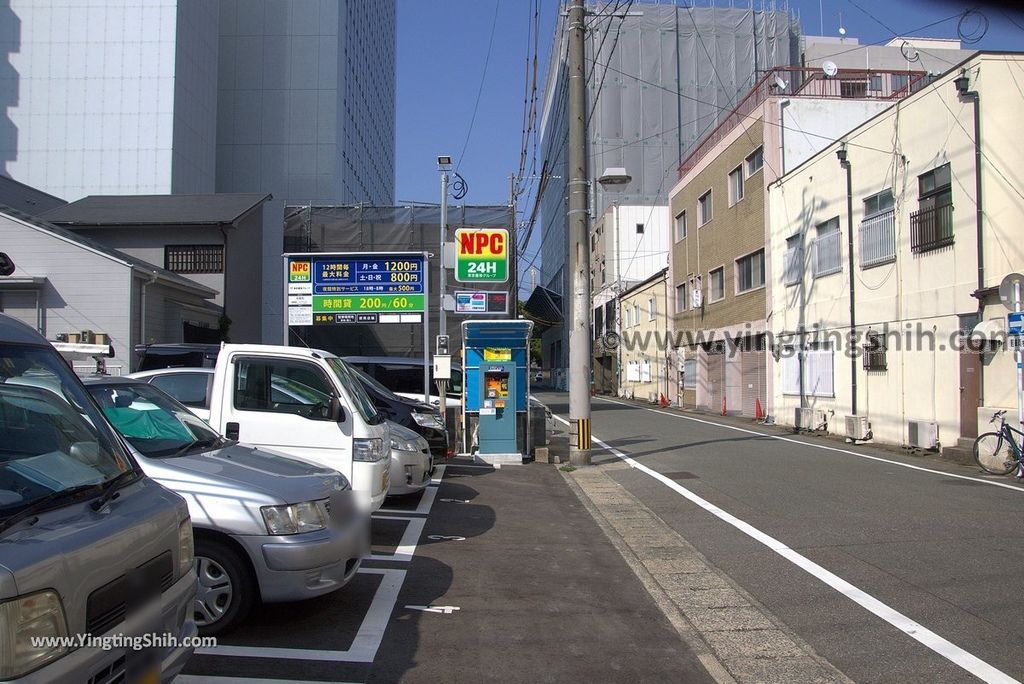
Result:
pixel 614 175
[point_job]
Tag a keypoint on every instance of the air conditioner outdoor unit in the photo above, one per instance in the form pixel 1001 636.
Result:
pixel 809 419
pixel 858 427
pixel 923 434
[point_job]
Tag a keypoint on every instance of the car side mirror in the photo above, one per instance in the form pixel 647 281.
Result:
pixel 337 411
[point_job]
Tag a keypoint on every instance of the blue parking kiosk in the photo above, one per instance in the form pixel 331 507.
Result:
pixel 495 400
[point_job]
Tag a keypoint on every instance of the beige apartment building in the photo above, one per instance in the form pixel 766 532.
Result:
pixel 643 360
pixel 899 235
pixel 718 261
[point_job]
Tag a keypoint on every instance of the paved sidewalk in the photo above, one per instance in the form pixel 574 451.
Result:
pixel 532 590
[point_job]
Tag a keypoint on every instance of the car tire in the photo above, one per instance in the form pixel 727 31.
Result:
pixel 226 590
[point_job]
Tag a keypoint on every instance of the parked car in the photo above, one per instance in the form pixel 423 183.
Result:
pixel 404 376
pixel 409 413
pixel 304 403
pixel 191 387
pixel 411 462
pixel 264 524
pixel 182 355
pixel 86 538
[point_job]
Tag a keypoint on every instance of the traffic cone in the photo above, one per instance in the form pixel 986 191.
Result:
pixel 758 413
pixel 663 402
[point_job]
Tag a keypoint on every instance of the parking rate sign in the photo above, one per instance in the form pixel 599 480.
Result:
pixel 482 255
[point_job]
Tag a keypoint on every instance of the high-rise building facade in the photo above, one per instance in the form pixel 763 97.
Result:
pixel 291 97
pixel 658 78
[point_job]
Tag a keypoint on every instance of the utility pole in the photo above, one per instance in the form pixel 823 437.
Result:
pixel 579 244
pixel 443 163
pixel 513 256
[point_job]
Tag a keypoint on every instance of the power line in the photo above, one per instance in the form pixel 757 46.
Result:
pixel 480 90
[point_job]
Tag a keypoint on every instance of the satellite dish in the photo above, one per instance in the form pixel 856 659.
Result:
pixel 779 83
pixel 830 68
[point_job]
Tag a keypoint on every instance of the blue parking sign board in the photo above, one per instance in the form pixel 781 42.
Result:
pixel 1015 322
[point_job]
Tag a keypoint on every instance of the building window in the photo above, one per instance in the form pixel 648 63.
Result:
pixel 194 258
pixel 717 284
pixel 681 226
pixel 652 309
pixel 690 374
pixel 818 371
pixel 854 88
pixel 639 229
pixel 750 272
pixel 704 208
pixel 681 301
pixel 875 83
pixel 735 185
pixel 793 261
pixel 931 226
pixel 874 353
pixel 755 161
pixel 825 255
pixel 898 82
pixel 626 318
pixel 697 291
pixel 877 231
pixel 636 314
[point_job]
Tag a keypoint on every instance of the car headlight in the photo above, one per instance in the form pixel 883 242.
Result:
pixel 430 420
pixel 29 629
pixel 399 444
pixel 367 450
pixel 186 547
pixel 294 518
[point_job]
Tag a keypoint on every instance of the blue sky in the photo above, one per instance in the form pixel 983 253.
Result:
pixel 445 73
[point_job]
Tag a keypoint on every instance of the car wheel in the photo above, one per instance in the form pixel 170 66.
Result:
pixel 226 590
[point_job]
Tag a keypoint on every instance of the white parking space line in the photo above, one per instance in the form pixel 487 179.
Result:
pixel 364 646
pixel 914 630
pixel 204 679
pixel 438 474
pixel 426 501
pixel 868 457
pixel 407 545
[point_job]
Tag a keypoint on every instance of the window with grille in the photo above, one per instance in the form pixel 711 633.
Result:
pixel 874 353
pixel 931 226
pixel 826 249
pixel 194 258
pixel 878 230
pixel 690 374
pixel 793 266
pixel 818 375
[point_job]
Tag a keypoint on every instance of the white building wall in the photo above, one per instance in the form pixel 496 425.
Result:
pixel 92 112
pixel 639 256
pixel 928 289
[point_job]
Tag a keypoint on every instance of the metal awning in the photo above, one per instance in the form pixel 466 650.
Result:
pixel 544 308
pixel 22 283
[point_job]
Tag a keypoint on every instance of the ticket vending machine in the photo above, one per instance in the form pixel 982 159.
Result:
pixel 498 408
pixel 496 390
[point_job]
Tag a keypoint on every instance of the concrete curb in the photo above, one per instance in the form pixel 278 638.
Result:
pixel 736 638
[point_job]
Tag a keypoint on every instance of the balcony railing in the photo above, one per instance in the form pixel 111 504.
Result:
pixel 878 239
pixel 870 84
pixel 825 258
pixel 931 228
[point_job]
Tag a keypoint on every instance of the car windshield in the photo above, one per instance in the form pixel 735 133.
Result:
pixel 355 390
pixel 156 425
pixel 375 384
pixel 53 440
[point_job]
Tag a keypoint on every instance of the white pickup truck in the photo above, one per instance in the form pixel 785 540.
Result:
pixel 303 403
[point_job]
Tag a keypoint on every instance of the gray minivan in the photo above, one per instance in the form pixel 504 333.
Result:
pixel 89 545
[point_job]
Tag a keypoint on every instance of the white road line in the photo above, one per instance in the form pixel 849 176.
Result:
pixel 916 631
pixel 426 502
pixel 438 475
pixel 364 646
pixel 407 546
pixel 206 679
pixel 820 446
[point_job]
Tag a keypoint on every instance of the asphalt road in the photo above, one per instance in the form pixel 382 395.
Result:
pixel 487 576
pixel 891 573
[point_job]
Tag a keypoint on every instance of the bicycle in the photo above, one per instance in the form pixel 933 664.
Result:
pixel 997 452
